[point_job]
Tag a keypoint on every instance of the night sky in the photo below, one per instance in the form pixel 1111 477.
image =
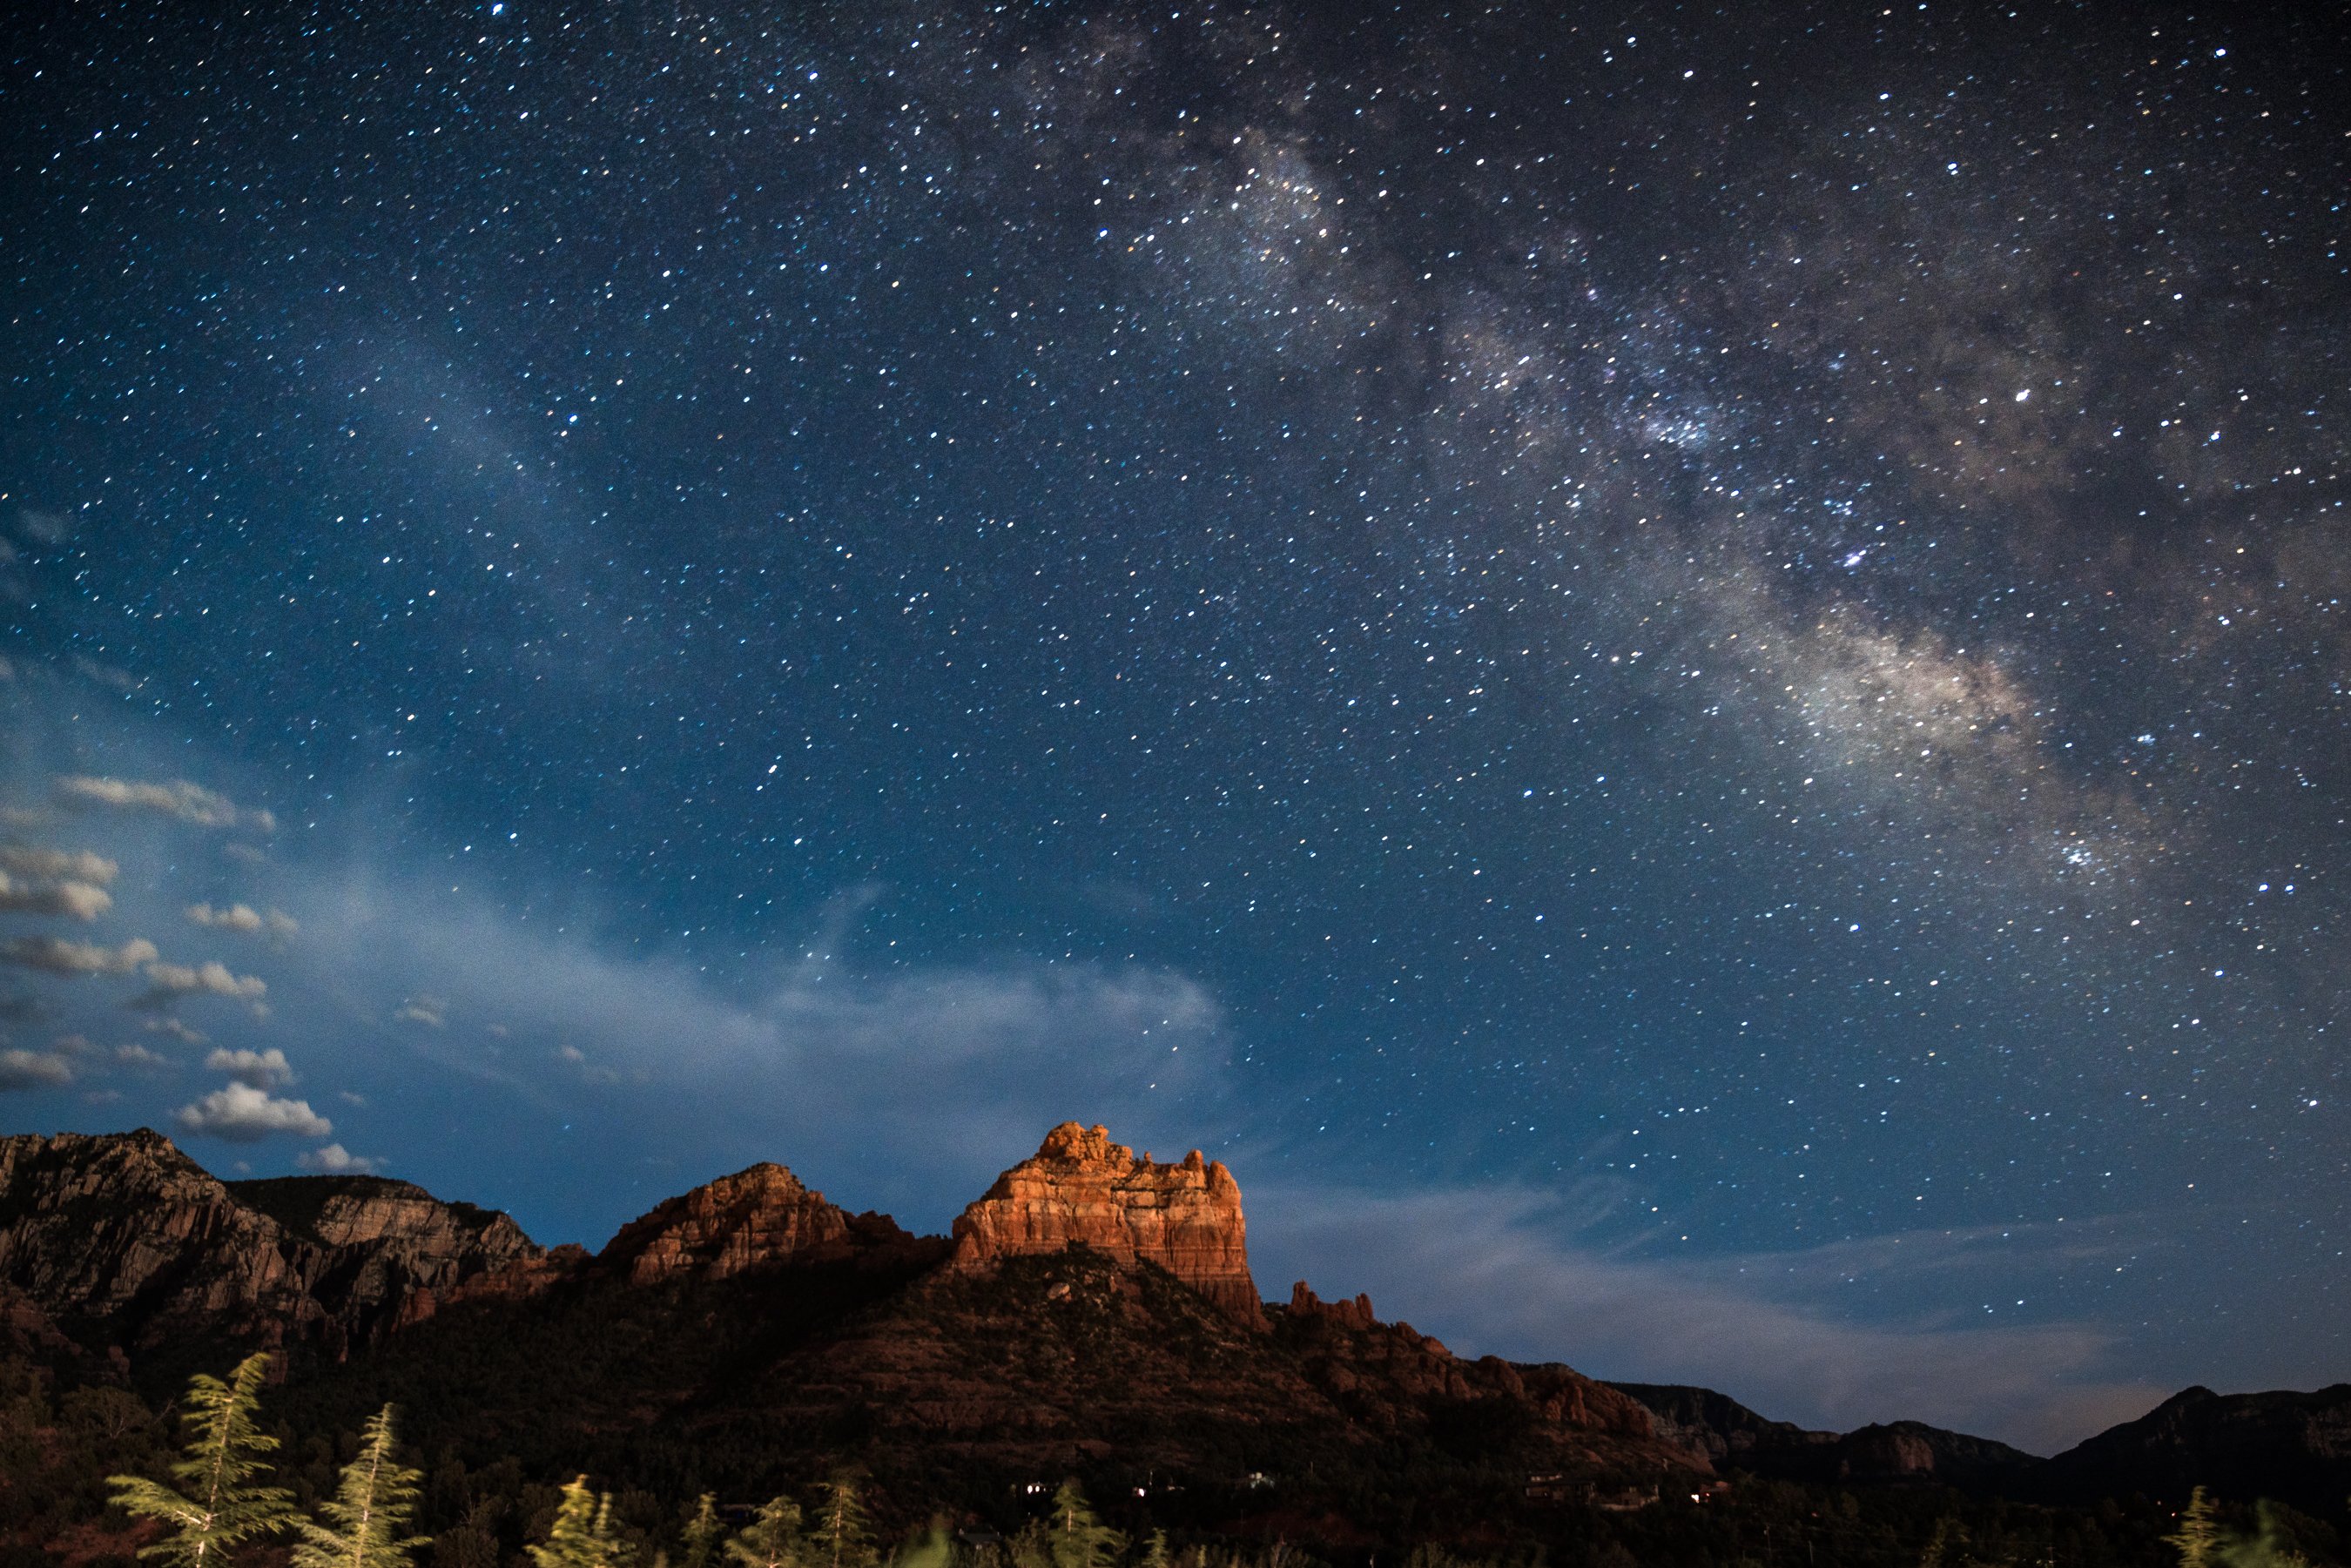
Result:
pixel 1679 673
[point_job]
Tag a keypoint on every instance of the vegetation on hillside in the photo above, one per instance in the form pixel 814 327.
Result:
pixel 88 1475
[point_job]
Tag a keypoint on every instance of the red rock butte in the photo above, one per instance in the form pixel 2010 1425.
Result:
pixel 1080 1186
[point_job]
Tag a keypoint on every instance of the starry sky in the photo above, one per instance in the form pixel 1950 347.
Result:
pixel 1678 673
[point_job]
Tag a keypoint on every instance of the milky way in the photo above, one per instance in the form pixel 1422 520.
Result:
pixel 1689 661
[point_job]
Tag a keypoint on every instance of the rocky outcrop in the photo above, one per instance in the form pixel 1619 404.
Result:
pixel 760 1219
pixel 122 1240
pixel 1082 1188
pixel 1392 1375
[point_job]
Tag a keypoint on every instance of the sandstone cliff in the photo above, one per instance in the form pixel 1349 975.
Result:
pixel 763 1217
pixel 1082 1188
pixel 121 1239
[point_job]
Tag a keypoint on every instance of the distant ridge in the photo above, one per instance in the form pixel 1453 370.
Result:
pixel 1093 1305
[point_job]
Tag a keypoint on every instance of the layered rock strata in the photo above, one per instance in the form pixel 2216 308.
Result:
pixel 122 1239
pixel 1082 1188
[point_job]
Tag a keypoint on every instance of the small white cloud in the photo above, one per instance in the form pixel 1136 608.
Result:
pixel 348 1098
pixel 255 1069
pixel 179 800
pixel 236 917
pixel 244 1115
pixel 177 1030
pixel 72 1045
pixel 335 1160
pixel 67 865
pixel 245 852
pixel 430 1011
pixel 81 899
pixel 32 1069
pixel 282 925
pixel 168 981
pixel 54 956
pixel 571 1053
pixel 138 1056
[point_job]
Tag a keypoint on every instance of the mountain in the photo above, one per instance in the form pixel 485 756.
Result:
pixel 2290 1446
pixel 1733 1437
pixel 124 1245
pixel 1093 1311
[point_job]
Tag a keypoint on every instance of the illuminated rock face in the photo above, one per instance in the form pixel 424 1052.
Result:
pixel 1082 1188
pixel 760 1219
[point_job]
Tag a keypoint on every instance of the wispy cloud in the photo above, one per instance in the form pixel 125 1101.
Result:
pixel 244 1115
pixel 430 1011
pixel 255 1069
pixel 54 956
pixel 23 1070
pixel 1512 1271
pixel 138 1056
pixel 167 982
pixel 180 800
pixel 80 900
pixel 69 865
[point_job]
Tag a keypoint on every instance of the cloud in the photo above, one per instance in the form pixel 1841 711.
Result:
pixel 72 865
pixel 81 899
pixel 253 1069
pixel 138 1056
pixel 32 1070
pixel 428 1010
pixel 335 1160
pixel 244 1115
pixel 245 852
pixel 1507 1270
pixel 177 1030
pixel 179 800
pixel 54 956
pixel 167 982
pixel 244 918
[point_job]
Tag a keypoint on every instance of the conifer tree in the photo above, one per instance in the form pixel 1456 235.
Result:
pixel 1154 1550
pixel 840 1535
pixel 703 1533
pixel 583 1535
pixel 370 1509
pixel 2198 1535
pixel 772 1540
pixel 1079 1539
pixel 221 1506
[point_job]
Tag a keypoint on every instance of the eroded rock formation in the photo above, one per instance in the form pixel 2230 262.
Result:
pixel 763 1217
pixel 1082 1188
pixel 119 1238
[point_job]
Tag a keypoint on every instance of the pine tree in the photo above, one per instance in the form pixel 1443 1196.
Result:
pixel 1155 1552
pixel 221 1507
pixel 583 1535
pixel 840 1537
pixel 2198 1534
pixel 1081 1540
pixel 370 1509
pixel 703 1533
pixel 771 1540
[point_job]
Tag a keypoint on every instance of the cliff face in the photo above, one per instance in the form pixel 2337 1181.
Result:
pixel 763 1217
pixel 1080 1186
pixel 121 1239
